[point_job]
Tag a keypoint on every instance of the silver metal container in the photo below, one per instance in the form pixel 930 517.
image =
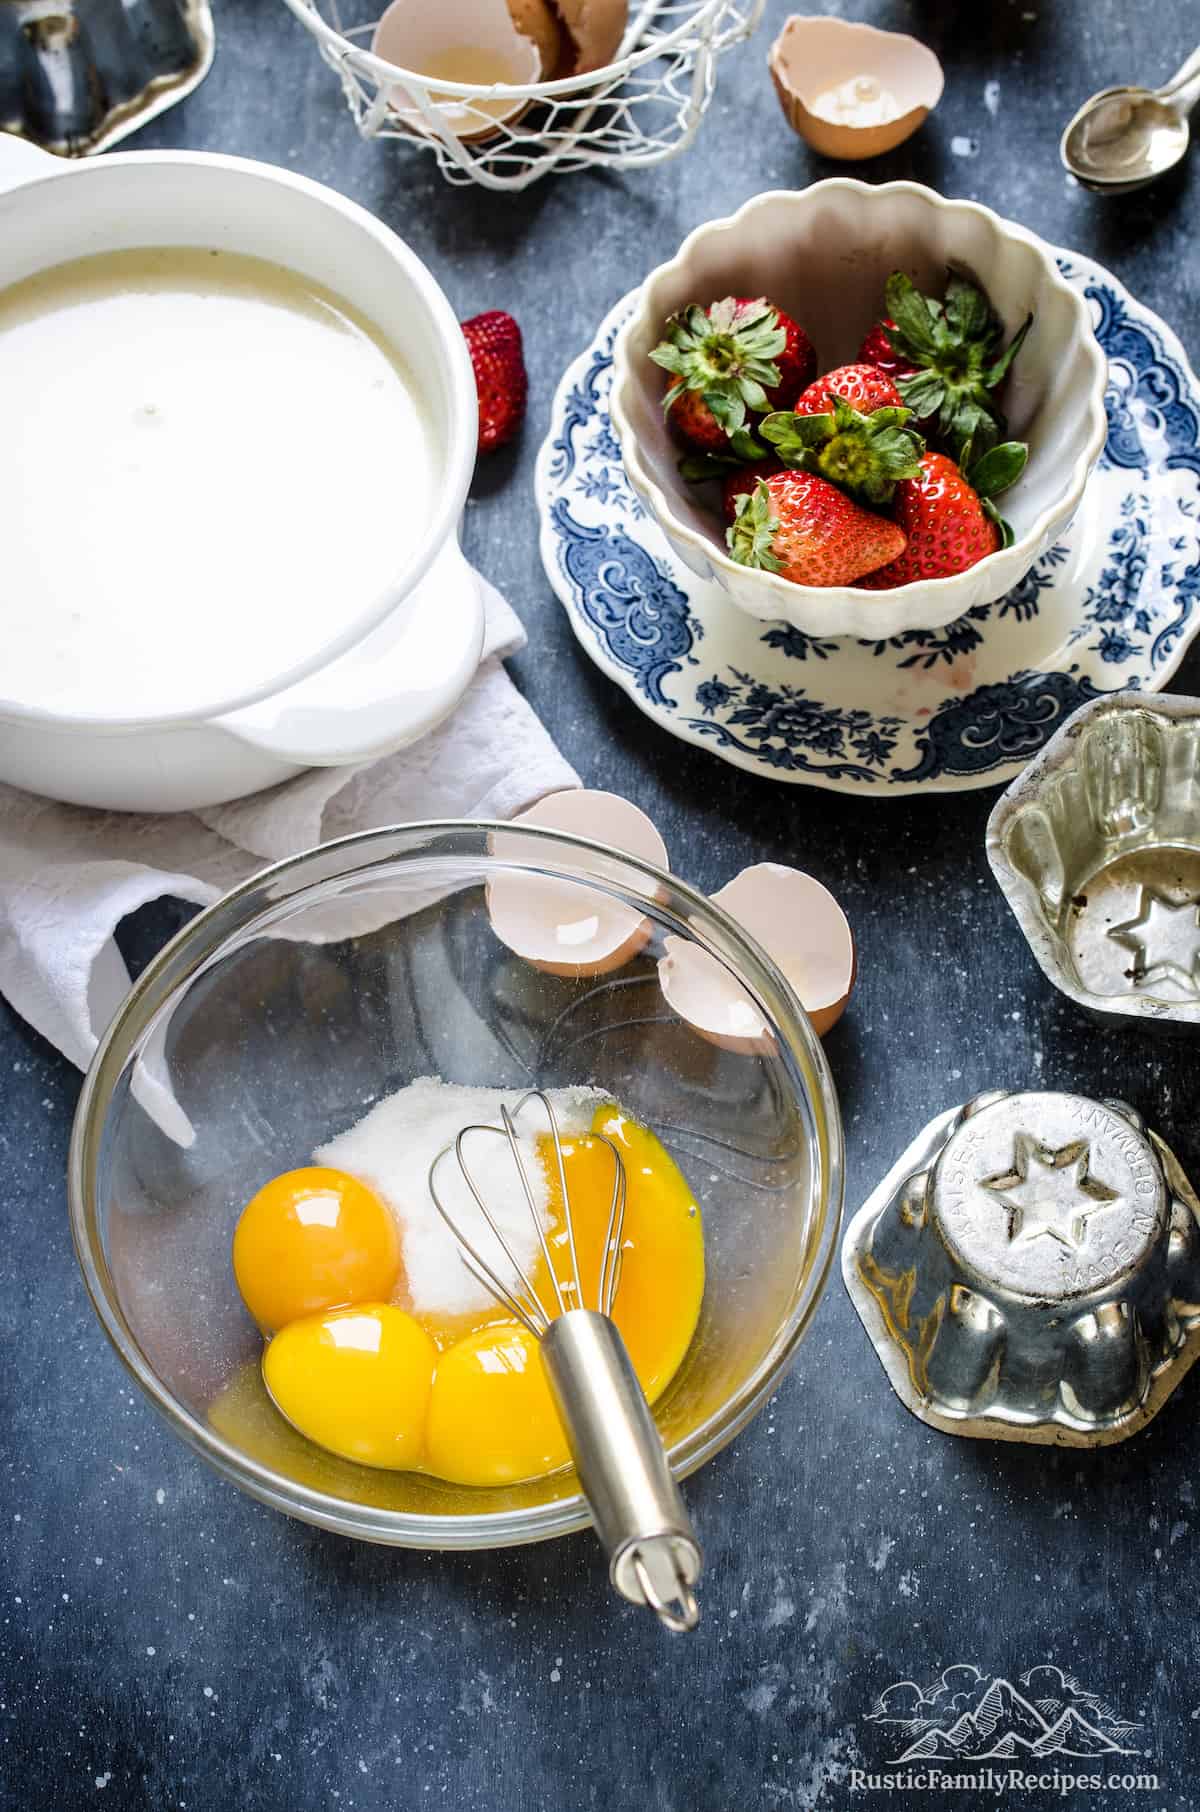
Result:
pixel 1029 1270
pixel 77 75
pixel 1097 850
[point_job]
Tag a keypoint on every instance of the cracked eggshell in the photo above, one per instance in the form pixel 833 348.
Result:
pixel 701 990
pixel 801 927
pixel 594 29
pixel 541 23
pixel 522 35
pixel 813 55
pixel 571 928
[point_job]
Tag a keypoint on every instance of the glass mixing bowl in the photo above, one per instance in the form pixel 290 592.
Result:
pixel 281 1014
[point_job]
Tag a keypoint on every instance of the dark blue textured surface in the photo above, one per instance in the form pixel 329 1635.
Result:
pixel 165 1643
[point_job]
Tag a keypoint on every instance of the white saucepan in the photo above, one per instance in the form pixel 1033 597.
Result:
pixel 393 665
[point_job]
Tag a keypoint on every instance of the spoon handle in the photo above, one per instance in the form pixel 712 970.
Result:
pixel 1183 89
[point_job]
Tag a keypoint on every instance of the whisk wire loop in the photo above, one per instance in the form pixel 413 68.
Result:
pixel 614 1234
pixel 575 1282
pixel 679 1614
pixel 525 1302
pixel 533 1316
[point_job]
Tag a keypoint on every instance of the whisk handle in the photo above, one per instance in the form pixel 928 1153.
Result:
pixel 640 1517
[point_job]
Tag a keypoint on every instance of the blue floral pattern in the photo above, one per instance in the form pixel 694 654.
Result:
pixel 1112 605
pixel 1152 396
pixel 785 729
pixel 796 645
pixel 997 724
pixel 1176 634
pixel 629 600
pixel 580 407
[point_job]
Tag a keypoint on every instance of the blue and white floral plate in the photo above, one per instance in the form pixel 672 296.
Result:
pixel 1110 607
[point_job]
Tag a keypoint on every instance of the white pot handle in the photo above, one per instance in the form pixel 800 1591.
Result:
pixel 397 684
pixel 21 162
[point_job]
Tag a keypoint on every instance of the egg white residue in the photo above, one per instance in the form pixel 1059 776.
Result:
pixel 964 147
pixel 861 100
pixel 392 1148
pixel 991 97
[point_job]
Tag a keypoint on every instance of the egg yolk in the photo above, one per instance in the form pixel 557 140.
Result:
pixel 310 1240
pixel 316 1257
pixel 492 1420
pixel 661 1280
pixel 491 1417
pixel 356 1381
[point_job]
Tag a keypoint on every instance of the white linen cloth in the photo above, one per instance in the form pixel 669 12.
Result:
pixel 68 876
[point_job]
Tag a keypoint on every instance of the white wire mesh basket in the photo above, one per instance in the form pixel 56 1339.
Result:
pixel 640 109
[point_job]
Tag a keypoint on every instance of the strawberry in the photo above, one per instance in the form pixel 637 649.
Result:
pixel 877 349
pixel 733 360
pixel 947 524
pixel 867 455
pixel 797 364
pixel 742 479
pixel 956 345
pixel 494 343
pixel 695 423
pixel 862 386
pixel 810 532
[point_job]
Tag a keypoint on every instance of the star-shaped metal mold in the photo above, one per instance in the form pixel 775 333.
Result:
pixel 1042 1199
pixel 1165 939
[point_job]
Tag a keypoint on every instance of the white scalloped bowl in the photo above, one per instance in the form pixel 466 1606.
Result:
pixel 824 254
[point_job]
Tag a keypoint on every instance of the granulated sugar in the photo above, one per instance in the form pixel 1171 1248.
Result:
pixel 392 1147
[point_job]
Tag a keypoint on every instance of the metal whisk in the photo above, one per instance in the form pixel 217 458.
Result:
pixel 640 1518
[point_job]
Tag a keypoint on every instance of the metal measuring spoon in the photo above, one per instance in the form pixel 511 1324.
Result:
pixel 1124 137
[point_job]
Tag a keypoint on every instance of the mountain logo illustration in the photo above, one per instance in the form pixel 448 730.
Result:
pixel 966 1715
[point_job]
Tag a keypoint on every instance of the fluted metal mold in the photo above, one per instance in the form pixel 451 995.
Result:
pixel 1096 847
pixel 1029 1270
pixel 78 75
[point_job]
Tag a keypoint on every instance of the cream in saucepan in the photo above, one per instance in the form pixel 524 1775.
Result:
pixel 207 464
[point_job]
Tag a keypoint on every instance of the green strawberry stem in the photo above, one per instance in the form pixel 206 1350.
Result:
pixel 698 468
pixel 995 472
pixel 1006 530
pixel 864 455
pixel 726 352
pixel 957 343
pixel 998 469
pixel 751 536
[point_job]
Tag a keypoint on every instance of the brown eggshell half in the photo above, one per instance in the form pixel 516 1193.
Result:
pixel 813 54
pixel 594 29
pixel 570 928
pixel 524 32
pixel 538 21
pixel 801 927
pixel 701 990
